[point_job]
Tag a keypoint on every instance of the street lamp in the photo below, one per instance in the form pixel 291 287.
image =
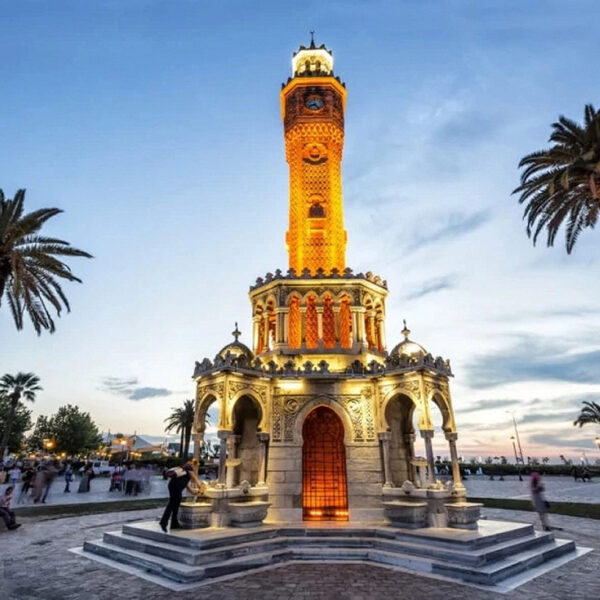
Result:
pixel 512 414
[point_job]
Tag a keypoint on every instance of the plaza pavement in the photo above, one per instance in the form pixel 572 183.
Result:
pixel 558 489
pixel 35 564
pixel 98 492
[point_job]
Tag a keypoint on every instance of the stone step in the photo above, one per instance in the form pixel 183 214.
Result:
pixel 172 567
pixel 206 538
pixel 207 556
pixel 508 567
pixel 487 536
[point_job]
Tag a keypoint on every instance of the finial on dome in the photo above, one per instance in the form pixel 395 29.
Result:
pixel 236 332
pixel 406 331
pixel 312 38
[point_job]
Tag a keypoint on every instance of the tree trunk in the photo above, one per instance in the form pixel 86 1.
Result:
pixel 181 444
pixel 8 426
pixel 188 435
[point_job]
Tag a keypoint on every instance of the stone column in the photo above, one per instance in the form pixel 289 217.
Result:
pixel 427 435
pixel 355 337
pixel 320 323
pixel 266 330
pixel 232 440
pixel 255 332
pixel 360 317
pixel 222 435
pixel 409 444
pixel 198 440
pixel 279 327
pixel 384 438
pixel 263 438
pixel 371 334
pixel 451 437
pixel 381 330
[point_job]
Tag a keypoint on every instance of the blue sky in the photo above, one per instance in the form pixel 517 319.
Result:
pixel 155 125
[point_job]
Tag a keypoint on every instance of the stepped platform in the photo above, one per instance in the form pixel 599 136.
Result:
pixel 496 556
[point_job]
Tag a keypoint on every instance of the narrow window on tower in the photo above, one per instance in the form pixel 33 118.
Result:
pixel 316 211
pixel 328 323
pixel 294 323
pixel 312 323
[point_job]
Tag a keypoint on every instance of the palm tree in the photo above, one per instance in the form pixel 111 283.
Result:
pixel 562 183
pixel 21 385
pixel 182 420
pixel 29 269
pixel 590 413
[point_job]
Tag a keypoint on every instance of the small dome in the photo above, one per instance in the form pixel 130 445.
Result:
pixel 407 347
pixel 235 348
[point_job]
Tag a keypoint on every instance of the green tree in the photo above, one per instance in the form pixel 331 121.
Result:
pixel 21 422
pixel 29 268
pixel 13 388
pixel 590 413
pixel 41 431
pixel 182 421
pixel 562 183
pixel 73 431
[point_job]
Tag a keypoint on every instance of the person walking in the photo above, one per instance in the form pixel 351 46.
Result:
pixel 26 483
pixel 68 478
pixel 7 515
pixel 540 504
pixel 84 484
pixel 179 479
pixel 14 475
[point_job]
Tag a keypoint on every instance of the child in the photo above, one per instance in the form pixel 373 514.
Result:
pixel 5 512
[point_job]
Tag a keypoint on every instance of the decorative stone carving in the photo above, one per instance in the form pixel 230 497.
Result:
pixel 237 386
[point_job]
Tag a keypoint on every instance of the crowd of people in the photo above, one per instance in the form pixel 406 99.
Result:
pixel 31 481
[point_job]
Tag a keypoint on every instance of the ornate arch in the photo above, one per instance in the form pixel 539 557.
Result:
pixel 249 393
pixel 205 400
pixel 332 403
pixel 445 408
pixel 412 390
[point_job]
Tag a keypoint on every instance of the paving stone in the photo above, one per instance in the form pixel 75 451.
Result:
pixel 35 565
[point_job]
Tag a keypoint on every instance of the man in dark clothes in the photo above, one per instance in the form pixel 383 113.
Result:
pixel 179 478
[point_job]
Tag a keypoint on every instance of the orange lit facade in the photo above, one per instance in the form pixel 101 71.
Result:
pixel 315 413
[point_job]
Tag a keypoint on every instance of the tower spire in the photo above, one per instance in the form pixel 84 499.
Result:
pixel 312 39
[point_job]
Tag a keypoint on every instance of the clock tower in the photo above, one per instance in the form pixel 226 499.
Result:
pixel 312 106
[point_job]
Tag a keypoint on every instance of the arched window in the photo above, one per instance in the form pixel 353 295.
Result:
pixel 328 323
pixel 316 211
pixel 294 323
pixel 345 324
pixel 312 326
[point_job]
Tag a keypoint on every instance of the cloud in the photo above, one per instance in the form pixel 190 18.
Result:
pixel 129 388
pixel 489 405
pixel 559 440
pixel 533 359
pixel 431 286
pixel 455 225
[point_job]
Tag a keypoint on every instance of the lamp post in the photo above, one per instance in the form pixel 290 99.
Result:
pixel 512 414
pixel 512 437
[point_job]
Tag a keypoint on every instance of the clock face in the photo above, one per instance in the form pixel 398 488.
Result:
pixel 314 103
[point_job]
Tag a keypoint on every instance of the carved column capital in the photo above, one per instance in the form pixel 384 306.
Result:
pixel 426 434
pixel 385 436
pixel 451 436
pixel 263 437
